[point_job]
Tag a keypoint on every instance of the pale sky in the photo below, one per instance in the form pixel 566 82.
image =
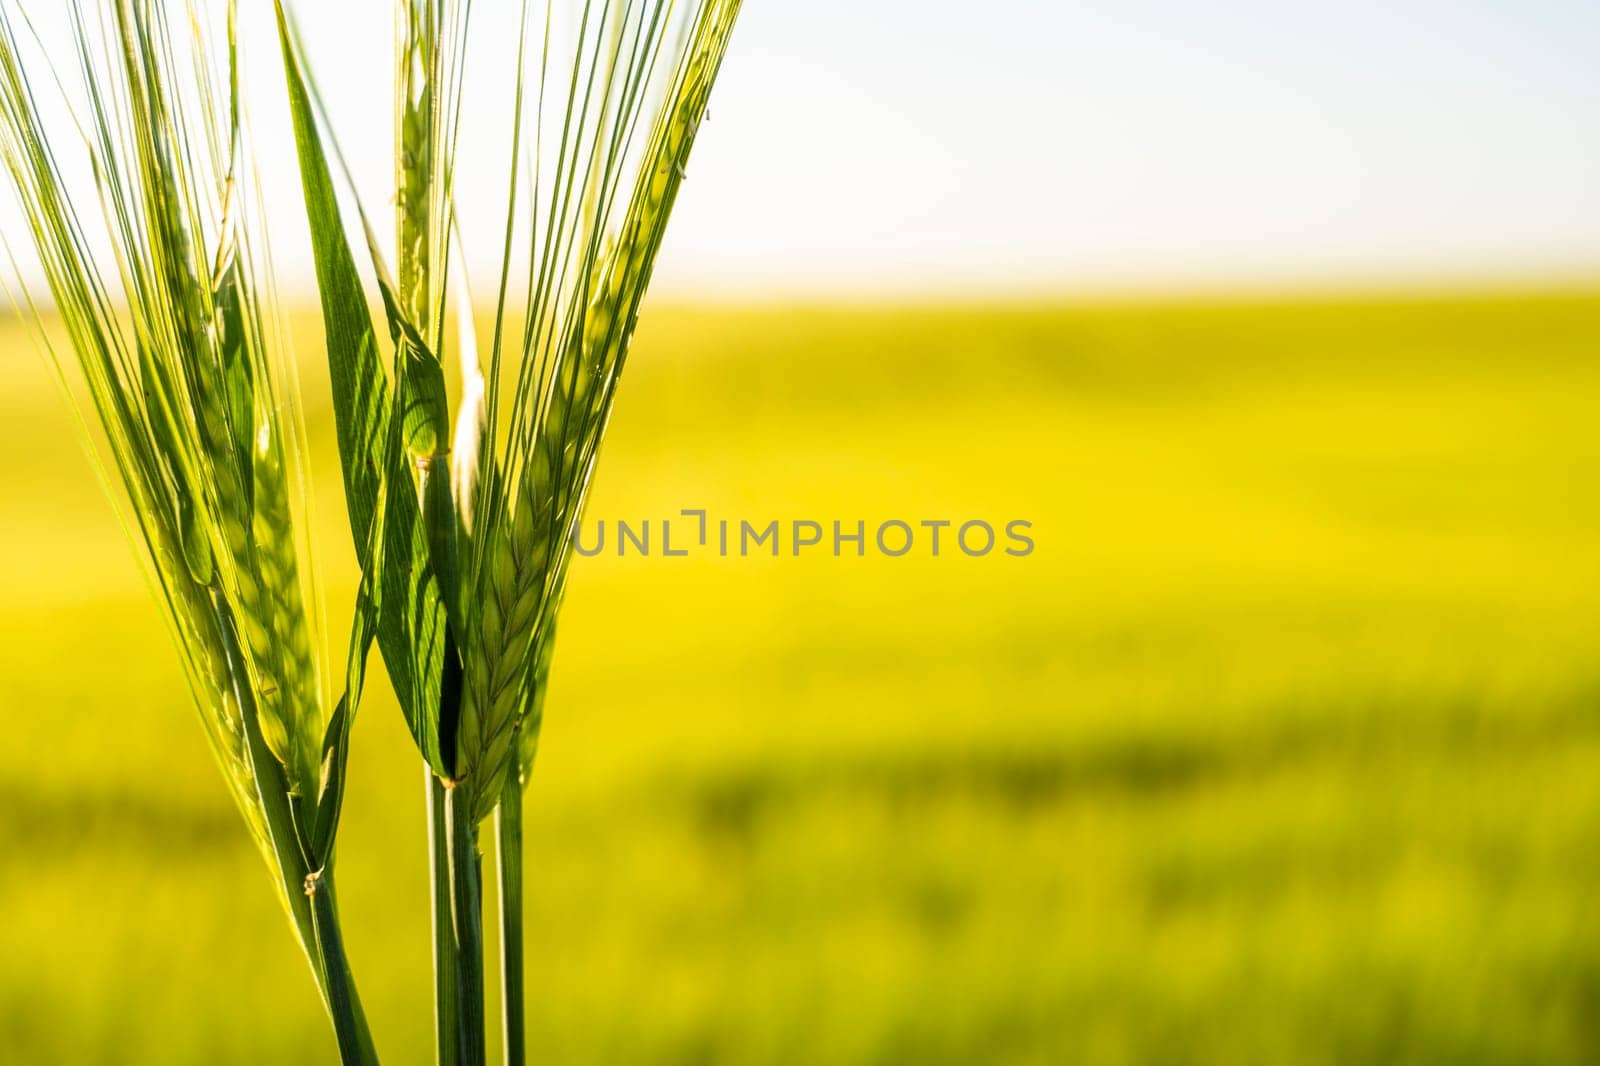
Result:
pixel 868 146
pixel 1146 142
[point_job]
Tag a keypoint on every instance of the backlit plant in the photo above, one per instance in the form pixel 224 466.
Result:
pixel 461 509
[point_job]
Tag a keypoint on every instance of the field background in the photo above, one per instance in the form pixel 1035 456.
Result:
pixel 1283 747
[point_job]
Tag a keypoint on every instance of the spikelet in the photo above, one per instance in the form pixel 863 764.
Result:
pixel 519 554
pixel 289 663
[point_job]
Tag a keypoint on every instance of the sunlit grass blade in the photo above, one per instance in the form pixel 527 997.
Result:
pixel 411 626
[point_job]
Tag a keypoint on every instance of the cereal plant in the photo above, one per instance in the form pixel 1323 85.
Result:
pixel 461 508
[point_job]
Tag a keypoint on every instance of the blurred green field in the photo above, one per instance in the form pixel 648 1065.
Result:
pixel 1283 747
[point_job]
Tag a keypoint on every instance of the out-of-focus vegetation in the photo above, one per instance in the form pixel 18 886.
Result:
pixel 1283 746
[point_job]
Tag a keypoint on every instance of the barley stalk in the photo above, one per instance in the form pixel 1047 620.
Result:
pixel 184 387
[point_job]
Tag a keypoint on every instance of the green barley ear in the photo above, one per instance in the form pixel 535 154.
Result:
pixel 189 385
pixel 641 76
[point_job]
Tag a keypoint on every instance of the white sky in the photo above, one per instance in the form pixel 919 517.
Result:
pixel 864 146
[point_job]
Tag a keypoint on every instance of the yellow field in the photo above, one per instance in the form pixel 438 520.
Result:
pixel 1282 747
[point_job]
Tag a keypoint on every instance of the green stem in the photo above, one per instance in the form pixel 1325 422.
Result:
pixel 444 951
pixel 513 998
pixel 318 932
pixel 349 1021
pixel 466 909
